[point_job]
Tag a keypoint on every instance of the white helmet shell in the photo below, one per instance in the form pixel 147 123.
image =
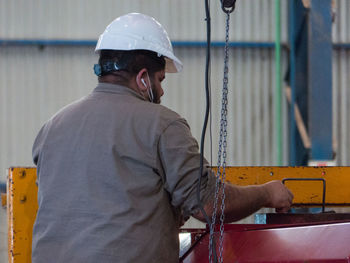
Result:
pixel 138 31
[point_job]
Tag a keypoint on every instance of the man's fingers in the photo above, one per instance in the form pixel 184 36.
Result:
pixel 288 202
pixel 280 196
pixel 290 194
pixel 285 208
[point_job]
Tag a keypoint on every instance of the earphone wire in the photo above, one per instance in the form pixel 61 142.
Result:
pixel 149 89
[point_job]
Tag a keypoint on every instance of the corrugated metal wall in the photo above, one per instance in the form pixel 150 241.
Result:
pixel 36 81
pixel 341 105
pixel 251 96
pixel 183 19
pixel 341 83
pixel 341 28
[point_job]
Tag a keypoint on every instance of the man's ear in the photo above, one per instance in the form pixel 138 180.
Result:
pixel 142 80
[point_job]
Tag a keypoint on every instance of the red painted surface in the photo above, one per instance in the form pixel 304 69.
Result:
pixel 266 243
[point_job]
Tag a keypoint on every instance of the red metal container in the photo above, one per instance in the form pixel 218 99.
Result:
pixel 323 242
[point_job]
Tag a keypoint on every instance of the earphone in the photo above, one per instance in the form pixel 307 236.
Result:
pixel 150 91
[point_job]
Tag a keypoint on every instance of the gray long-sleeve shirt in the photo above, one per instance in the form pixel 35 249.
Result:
pixel 115 172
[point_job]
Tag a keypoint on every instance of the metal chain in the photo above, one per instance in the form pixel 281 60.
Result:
pixel 211 236
pixel 224 120
pixel 221 167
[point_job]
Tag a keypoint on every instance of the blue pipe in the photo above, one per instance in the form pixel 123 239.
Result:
pixel 43 42
pixel 61 42
pixel 88 43
pixel 222 44
pixel 341 45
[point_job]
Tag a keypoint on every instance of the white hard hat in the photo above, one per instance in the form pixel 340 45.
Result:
pixel 137 31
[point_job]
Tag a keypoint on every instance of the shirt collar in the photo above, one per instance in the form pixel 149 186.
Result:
pixel 117 89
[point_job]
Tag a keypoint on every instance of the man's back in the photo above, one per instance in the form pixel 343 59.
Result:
pixel 103 191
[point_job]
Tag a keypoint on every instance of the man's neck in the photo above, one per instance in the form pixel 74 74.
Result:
pixel 111 79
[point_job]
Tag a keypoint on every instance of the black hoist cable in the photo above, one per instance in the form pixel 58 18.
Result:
pixel 227 6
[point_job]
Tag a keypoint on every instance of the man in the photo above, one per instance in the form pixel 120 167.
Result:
pixel 117 172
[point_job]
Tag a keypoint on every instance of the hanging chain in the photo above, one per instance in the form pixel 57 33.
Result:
pixel 224 124
pixel 221 167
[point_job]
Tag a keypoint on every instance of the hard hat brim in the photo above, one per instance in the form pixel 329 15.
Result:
pixel 136 31
pixel 125 43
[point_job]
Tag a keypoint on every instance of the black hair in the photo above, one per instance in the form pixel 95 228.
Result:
pixel 132 61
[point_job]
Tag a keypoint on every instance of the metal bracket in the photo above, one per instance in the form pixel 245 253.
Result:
pixel 312 179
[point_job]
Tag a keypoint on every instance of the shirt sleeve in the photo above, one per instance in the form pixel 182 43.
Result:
pixel 37 147
pixel 180 159
pixel 38 142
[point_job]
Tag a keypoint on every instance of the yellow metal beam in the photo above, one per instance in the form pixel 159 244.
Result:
pixel 22 206
pixel 305 192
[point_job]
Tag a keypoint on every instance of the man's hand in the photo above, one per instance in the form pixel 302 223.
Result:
pixel 242 201
pixel 278 196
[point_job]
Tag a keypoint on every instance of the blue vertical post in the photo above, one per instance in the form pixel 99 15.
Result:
pixel 291 40
pixel 320 79
pixel 310 79
pixel 297 79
